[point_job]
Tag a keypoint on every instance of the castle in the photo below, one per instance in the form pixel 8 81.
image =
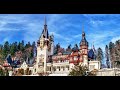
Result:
pixel 60 63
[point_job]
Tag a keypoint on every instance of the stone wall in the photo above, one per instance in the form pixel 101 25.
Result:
pixel 109 72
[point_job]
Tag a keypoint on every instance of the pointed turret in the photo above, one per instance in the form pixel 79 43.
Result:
pixel 93 47
pixel 92 53
pixel 45 25
pixel 83 41
pixel 45 30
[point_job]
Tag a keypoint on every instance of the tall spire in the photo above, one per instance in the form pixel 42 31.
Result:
pixel 45 21
pixel 94 48
pixel 45 31
pixel 45 28
pixel 45 24
pixel 83 33
pixel 83 41
pixel 82 28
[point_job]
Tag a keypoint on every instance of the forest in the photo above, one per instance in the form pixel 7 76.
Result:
pixel 17 49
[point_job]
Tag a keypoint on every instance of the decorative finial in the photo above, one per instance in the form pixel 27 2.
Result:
pixel 82 28
pixel 83 33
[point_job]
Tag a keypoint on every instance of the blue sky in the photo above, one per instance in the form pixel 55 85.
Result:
pixel 67 28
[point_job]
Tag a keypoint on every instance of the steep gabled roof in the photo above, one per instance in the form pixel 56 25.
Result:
pixel 45 31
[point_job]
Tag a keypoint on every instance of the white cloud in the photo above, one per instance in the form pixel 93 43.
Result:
pixel 100 39
pixel 96 22
pixel 76 36
pixel 115 39
pixel 11 19
pixel 99 15
pixel 59 36
pixel 34 27
pixel 9 29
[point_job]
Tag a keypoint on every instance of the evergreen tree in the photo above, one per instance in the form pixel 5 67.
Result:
pixel 12 49
pixel 76 46
pixel 107 56
pixel 69 48
pixel 22 46
pixel 34 49
pixel 15 46
pixel 57 47
pixel 100 55
pixel 1 52
pixel 112 53
pixel 117 54
pixel 117 50
pixel 6 49
pixel 29 45
pixel 2 72
pixel 19 46
pixel 33 44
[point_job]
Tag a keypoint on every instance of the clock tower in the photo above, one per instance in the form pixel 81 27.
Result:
pixel 45 47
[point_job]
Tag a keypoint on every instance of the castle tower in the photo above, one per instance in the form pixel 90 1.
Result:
pixel 84 48
pixel 44 49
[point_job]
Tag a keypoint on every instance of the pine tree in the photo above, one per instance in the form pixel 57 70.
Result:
pixel 76 46
pixel 29 45
pixel 12 49
pixel 1 52
pixel 57 47
pixel 34 51
pixel 112 53
pixel 22 46
pixel 6 49
pixel 15 46
pixel 117 54
pixel 107 56
pixel 100 55
pixel 69 48
pixel 18 46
